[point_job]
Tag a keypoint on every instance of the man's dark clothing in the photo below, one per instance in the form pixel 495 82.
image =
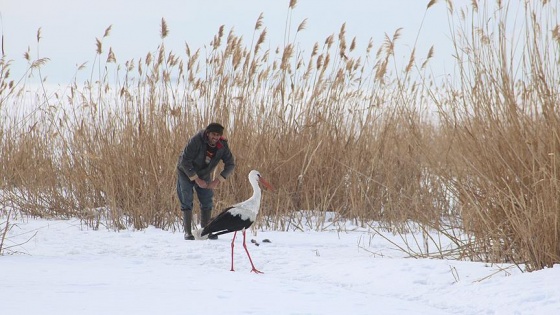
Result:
pixel 192 161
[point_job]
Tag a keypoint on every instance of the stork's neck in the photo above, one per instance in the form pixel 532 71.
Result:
pixel 252 204
pixel 256 191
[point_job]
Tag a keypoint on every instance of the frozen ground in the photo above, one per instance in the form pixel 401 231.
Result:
pixel 62 267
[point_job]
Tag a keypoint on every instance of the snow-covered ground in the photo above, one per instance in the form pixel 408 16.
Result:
pixel 62 267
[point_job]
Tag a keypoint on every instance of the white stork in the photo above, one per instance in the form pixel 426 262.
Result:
pixel 240 216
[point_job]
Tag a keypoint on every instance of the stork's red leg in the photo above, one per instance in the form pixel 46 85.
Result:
pixel 233 240
pixel 250 260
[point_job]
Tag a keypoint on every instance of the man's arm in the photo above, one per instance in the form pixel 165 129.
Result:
pixel 229 164
pixel 189 154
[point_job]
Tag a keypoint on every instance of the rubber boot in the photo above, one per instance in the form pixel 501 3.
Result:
pixel 205 217
pixel 204 220
pixel 187 225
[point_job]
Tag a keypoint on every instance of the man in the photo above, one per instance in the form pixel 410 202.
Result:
pixel 200 157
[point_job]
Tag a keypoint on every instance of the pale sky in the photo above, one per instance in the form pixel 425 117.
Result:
pixel 69 28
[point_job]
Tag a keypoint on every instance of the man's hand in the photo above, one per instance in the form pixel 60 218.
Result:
pixel 201 183
pixel 213 184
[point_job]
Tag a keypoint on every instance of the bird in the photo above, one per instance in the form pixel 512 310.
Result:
pixel 240 216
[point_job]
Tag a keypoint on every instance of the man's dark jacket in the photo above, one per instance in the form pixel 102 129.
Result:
pixel 192 160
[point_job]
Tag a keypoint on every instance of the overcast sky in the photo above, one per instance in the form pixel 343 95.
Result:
pixel 69 27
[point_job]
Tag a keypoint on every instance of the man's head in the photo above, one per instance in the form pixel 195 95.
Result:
pixel 214 131
pixel 215 127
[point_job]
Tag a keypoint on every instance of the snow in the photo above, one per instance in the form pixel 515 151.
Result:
pixel 64 267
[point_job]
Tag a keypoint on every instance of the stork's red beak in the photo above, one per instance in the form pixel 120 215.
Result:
pixel 265 183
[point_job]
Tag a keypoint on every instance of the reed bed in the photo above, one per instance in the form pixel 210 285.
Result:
pixel 503 127
pixel 336 130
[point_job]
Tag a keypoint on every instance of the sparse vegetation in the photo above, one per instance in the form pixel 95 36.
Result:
pixel 333 128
